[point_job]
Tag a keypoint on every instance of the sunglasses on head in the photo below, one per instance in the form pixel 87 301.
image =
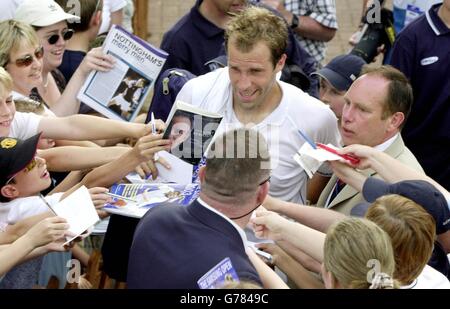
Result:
pixel 30 166
pixel 28 59
pixel 66 35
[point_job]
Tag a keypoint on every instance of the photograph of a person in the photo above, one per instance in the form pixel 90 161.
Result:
pixel 129 94
pixel 179 130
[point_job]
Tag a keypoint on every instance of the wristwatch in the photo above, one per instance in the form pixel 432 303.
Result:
pixel 295 21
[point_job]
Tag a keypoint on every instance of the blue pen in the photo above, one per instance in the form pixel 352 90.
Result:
pixel 307 139
pixel 153 124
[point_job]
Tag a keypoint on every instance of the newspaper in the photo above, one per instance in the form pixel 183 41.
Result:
pixel 120 93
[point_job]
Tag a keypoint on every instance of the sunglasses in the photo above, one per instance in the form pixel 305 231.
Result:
pixel 30 166
pixel 66 35
pixel 28 59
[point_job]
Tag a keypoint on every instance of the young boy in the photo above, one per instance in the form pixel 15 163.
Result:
pixel 22 177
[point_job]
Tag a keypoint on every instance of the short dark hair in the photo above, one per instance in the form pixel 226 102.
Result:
pixel 237 162
pixel 399 97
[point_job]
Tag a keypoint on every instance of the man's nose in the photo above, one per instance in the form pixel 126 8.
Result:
pixel 243 82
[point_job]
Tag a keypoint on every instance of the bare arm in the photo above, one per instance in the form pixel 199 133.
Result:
pixel 269 278
pixel 84 127
pixel 106 175
pixel 72 158
pixel 13 232
pixel 60 143
pixel 294 270
pixel 308 27
pixel 301 257
pixel 68 104
pixel 311 29
pixel 42 233
pixel 270 225
pixel 69 181
pixel 387 167
pixel 317 218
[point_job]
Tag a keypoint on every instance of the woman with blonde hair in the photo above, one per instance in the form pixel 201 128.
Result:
pixel 355 253
pixel 31 53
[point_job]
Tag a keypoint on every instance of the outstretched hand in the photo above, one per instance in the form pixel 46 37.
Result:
pixel 95 59
pixel 99 197
pixel 364 153
pixel 268 225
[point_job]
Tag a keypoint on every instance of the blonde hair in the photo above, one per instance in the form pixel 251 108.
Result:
pixel 350 247
pixel 254 25
pixel 13 34
pixel 411 229
pixel 248 285
pixel 6 82
pixel 27 105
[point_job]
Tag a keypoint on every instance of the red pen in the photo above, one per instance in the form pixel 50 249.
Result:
pixel 352 159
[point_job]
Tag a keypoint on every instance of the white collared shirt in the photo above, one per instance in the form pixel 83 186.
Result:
pixel 383 146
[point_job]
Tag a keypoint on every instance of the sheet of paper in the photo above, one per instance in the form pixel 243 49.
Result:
pixel 78 210
pixel 180 171
pixel 134 177
pixel 311 159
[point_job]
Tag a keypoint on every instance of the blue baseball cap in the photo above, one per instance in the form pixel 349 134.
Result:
pixel 419 191
pixel 342 71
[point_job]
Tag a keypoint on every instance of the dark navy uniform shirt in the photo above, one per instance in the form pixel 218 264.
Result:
pixel 422 53
pixel 192 42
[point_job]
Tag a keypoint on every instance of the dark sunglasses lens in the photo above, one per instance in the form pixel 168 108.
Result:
pixel 25 61
pixel 53 39
pixel 67 35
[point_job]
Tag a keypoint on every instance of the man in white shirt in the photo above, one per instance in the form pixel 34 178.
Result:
pixel 247 93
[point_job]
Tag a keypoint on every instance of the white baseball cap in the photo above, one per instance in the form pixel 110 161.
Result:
pixel 41 13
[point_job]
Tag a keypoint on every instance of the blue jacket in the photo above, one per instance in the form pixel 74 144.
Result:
pixel 174 246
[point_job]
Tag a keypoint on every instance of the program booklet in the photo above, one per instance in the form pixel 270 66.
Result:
pixel 78 210
pixel 134 200
pixel 120 93
pixel 191 130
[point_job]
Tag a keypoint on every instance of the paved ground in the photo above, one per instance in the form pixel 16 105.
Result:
pixel 163 14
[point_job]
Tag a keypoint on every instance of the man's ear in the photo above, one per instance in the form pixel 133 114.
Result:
pixel 263 191
pixel 96 19
pixel 201 174
pixel 397 120
pixel 9 191
pixel 280 63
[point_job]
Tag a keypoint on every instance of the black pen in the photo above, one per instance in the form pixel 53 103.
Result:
pixel 46 203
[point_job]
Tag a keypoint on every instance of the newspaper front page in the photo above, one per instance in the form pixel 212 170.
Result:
pixel 120 93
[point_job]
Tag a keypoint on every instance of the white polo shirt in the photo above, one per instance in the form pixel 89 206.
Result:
pixel 297 110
